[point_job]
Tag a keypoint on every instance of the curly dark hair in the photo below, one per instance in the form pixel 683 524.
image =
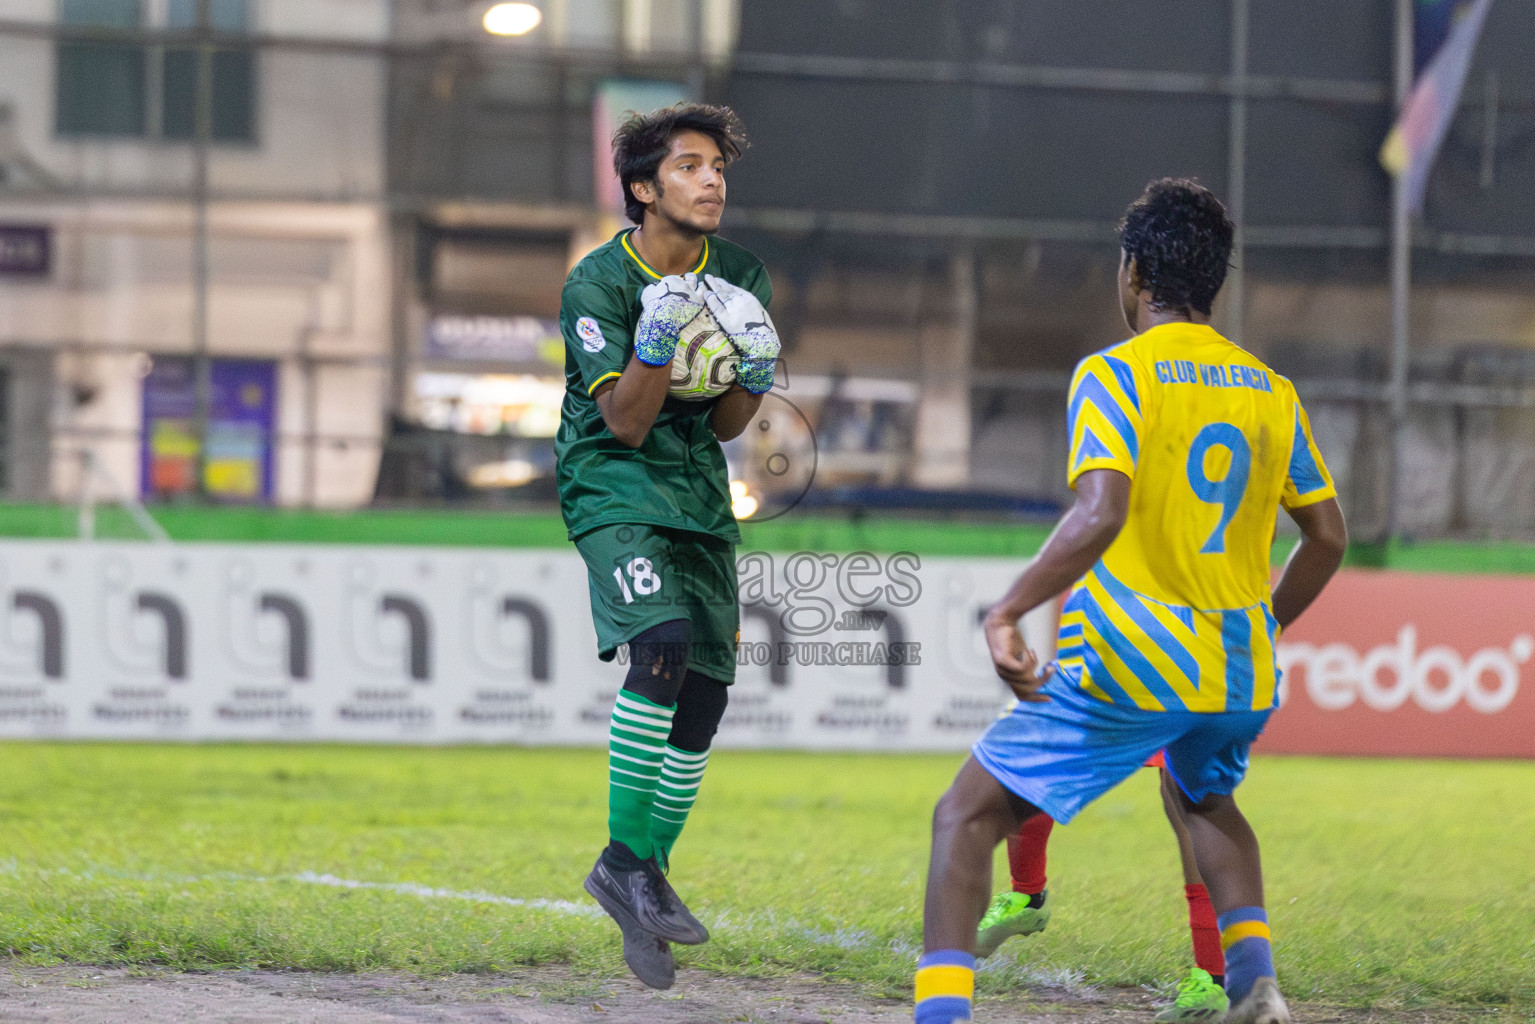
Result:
pixel 1180 238
pixel 642 142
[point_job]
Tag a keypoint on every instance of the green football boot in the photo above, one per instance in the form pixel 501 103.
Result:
pixel 1199 998
pixel 1009 915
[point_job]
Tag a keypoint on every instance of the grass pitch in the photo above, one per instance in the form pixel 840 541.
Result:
pixel 1390 883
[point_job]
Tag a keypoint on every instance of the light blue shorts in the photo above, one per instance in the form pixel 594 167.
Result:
pixel 1063 755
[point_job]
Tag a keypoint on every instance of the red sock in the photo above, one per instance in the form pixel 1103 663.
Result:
pixel 1207 934
pixel 1026 855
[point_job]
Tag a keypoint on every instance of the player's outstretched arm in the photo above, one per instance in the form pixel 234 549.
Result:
pixel 630 404
pixel 732 412
pixel 1324 539
pixel 1078 541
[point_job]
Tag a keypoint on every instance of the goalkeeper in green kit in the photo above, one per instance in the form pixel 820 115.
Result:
pixel 646 497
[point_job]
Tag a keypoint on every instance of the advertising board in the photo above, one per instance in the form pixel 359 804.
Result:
pixel 1402 663
pixel 433 645
pixel 853 651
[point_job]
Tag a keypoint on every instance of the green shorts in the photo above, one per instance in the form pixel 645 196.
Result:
pixel 641 576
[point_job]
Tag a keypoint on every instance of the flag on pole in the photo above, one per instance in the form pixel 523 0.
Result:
pixel 1413 145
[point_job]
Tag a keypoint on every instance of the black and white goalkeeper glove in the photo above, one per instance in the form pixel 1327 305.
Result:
pixel 744 320
pixel 669 305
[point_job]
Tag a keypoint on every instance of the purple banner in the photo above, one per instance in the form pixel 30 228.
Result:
pixel 507 339
pixel 242 414
pixel 25 250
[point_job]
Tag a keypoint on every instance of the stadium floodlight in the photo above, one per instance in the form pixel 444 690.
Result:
pixel 512 19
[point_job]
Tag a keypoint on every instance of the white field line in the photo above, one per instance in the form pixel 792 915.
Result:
pixel 849 939
pixel 425 892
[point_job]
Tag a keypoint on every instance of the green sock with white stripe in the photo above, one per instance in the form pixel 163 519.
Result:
pixel 636 749
pixel 681 772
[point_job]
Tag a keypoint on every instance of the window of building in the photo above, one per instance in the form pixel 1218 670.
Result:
pixel 101 86
pixel 234 77
pixel 145 91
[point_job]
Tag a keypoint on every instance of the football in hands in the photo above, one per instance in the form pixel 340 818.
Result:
pixel 704 365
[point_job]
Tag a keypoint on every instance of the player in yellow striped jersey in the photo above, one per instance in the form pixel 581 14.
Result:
pixel 1184 448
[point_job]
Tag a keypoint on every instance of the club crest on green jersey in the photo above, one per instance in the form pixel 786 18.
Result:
pixel 591 335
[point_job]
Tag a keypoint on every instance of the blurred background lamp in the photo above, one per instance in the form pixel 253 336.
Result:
pixel 512 19
pixel 741 501
pixel 508 473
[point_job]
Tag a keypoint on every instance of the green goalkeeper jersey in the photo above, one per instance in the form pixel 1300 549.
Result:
pixel 677 477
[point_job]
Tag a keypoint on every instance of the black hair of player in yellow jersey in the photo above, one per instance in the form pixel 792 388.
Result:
pixel 642 142
pixel 1180 238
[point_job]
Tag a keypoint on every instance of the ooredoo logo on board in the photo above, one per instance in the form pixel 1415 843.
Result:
pixel 1436 678
pixel 1410 664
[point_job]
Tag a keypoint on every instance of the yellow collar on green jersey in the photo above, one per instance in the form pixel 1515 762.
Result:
pixel 624 238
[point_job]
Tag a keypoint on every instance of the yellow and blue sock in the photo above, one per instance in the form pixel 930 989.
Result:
pixel 1249 954
pixel 945 983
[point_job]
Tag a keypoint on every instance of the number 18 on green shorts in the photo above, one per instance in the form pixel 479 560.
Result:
pixel 641 576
